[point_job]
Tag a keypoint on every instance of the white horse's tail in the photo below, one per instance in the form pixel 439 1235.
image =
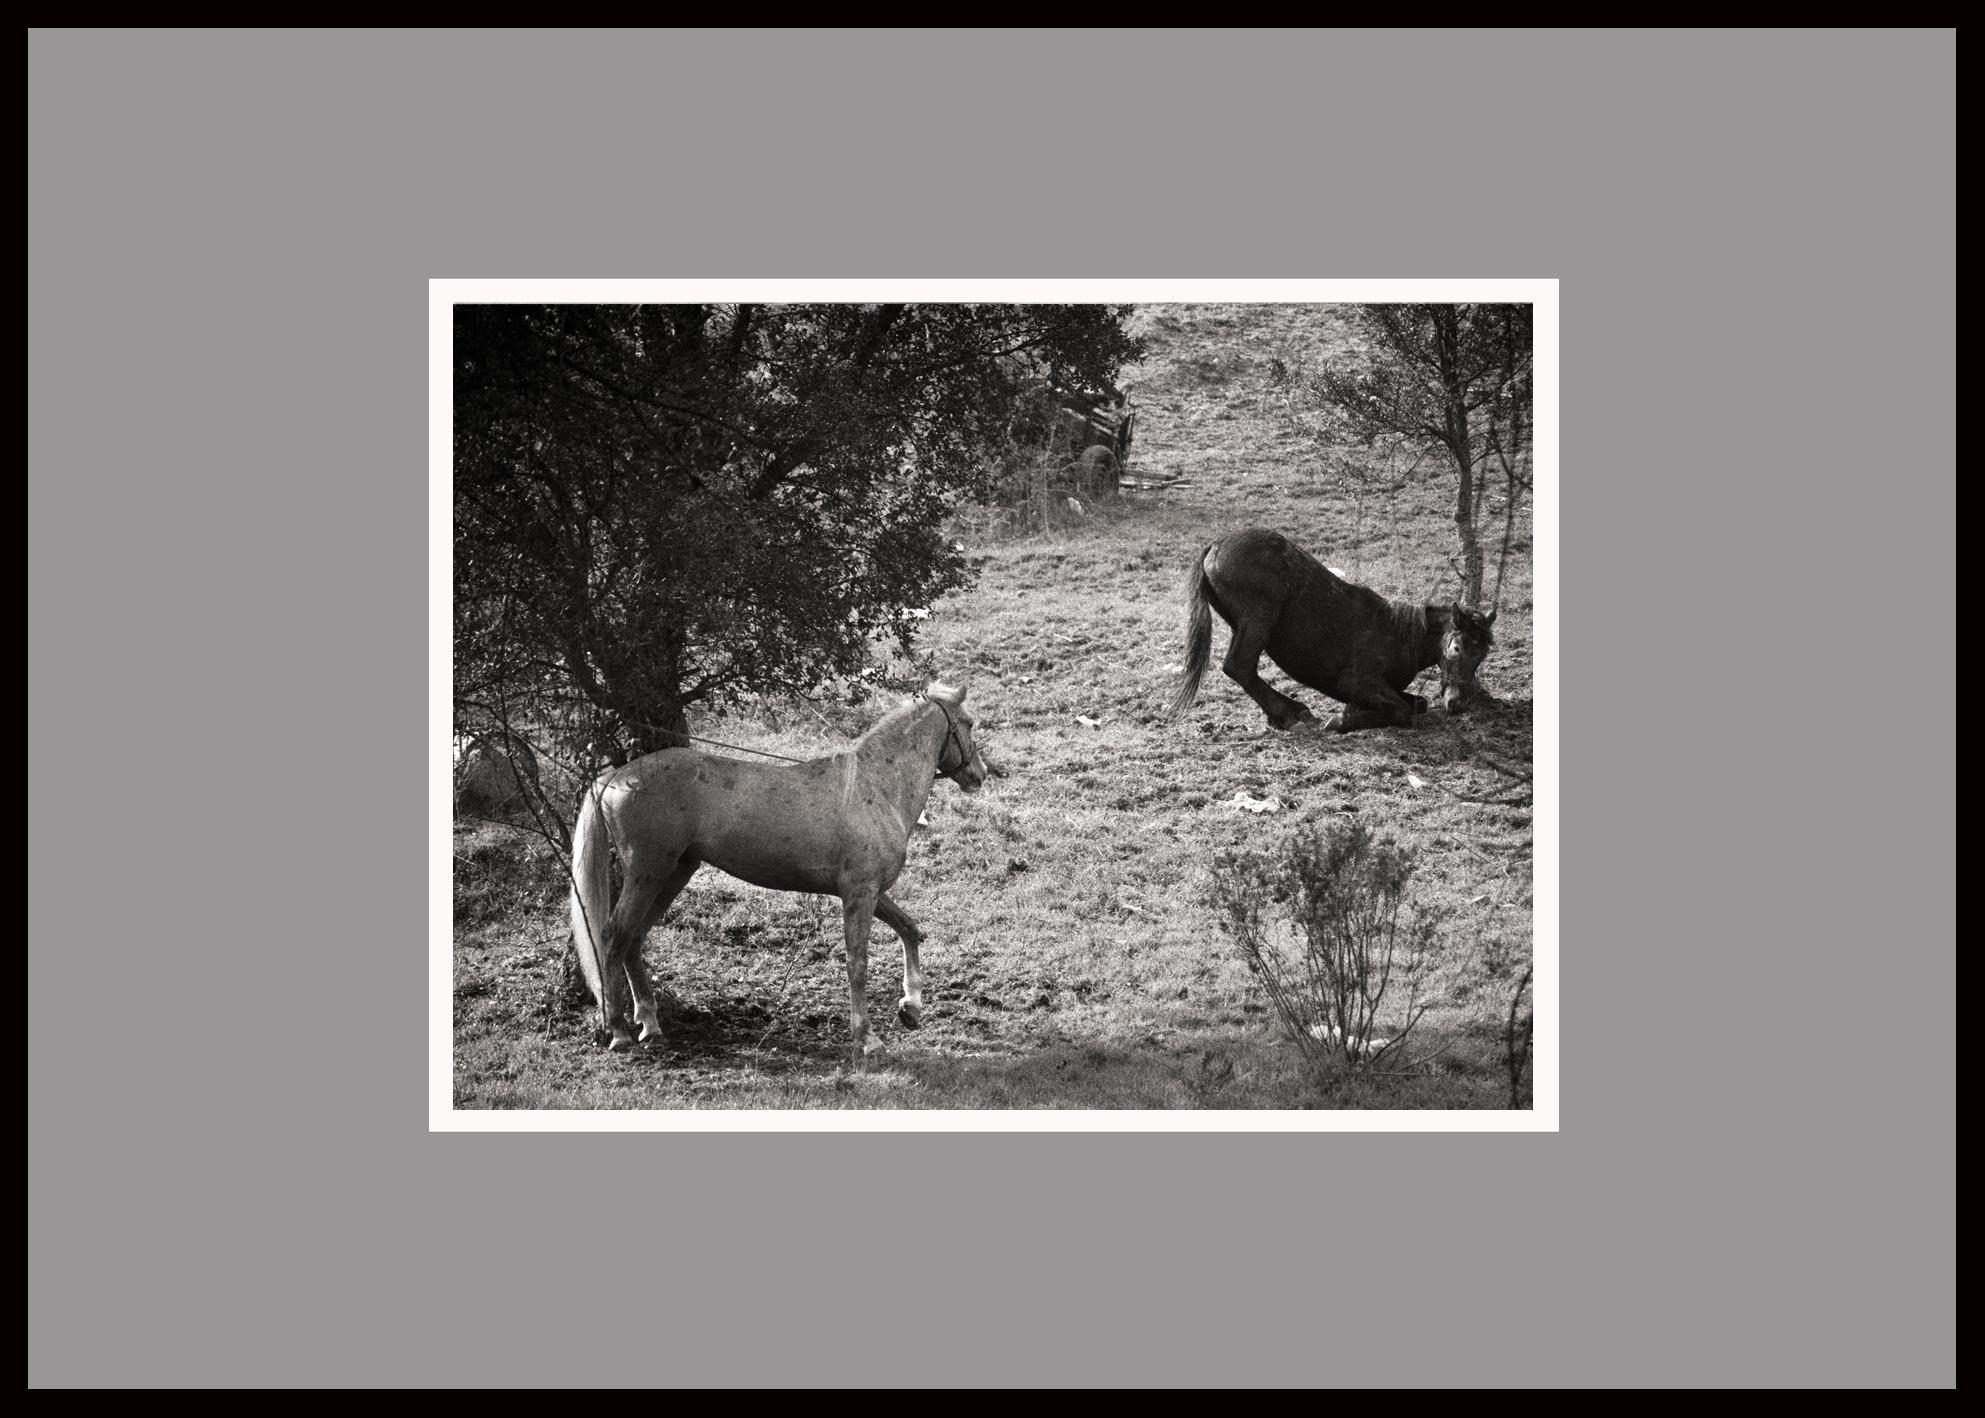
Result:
pixel 590 890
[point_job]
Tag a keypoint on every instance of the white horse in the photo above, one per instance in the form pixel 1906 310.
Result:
pixel 835 826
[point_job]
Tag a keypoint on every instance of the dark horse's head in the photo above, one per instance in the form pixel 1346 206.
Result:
pixel 1465 640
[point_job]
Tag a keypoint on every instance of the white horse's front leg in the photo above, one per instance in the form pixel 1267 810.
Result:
pixel 857 912
pixel 909 1009
pixel 648 1020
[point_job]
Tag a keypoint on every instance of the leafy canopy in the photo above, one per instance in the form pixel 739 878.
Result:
pixel 662 506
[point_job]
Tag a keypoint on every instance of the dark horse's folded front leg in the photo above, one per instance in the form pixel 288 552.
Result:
pixel 1374 704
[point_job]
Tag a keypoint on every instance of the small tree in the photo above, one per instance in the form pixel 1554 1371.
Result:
pixel 1323 922
pixel 1452 378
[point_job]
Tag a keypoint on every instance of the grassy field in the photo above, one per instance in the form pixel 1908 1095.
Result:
pixel 1074 956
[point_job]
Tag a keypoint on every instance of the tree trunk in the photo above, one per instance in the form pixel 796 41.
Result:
pixel 1464 523
pixel 671 730
pixel 1514 478
pixel 1447 336
pixel 661 721
pixel 1510 452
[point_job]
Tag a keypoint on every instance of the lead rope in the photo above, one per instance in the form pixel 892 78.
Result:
pixel 696 738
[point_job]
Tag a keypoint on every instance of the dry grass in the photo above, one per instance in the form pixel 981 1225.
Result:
pixel 1074 957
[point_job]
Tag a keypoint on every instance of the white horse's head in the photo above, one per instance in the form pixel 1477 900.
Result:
pixel 969 770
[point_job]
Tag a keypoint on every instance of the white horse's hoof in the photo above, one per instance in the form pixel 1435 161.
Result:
pixel 622 1043
pixel 910 1016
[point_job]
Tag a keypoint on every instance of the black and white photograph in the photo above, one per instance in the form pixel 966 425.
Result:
pixel 991 708
pixel 983 705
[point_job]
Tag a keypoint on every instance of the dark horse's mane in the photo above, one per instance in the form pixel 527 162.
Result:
pixel 1411 616
pixel 1425 622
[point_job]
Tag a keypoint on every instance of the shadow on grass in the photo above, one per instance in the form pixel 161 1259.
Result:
pixel 727 1052
pixel 1227 1070
pixel 738 1030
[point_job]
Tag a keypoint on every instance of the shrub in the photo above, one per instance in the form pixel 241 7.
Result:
pixel 1348 962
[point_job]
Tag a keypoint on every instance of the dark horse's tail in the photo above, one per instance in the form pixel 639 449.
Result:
pixel 1198 632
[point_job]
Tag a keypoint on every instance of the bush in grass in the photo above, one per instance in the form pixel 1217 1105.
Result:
pixel 487 781
pixel 1325 922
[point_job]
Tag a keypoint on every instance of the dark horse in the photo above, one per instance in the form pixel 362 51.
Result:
pixel 1348 641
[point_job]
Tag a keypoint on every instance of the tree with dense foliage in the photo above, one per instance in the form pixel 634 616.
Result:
pixel 1452 378
pixel 664 506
